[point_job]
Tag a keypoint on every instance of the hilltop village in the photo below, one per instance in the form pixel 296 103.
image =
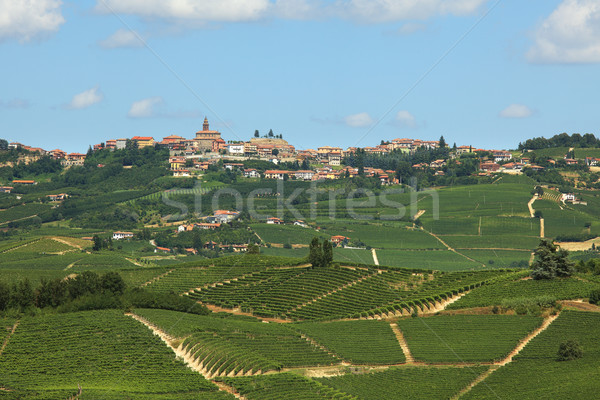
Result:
pixel 190 157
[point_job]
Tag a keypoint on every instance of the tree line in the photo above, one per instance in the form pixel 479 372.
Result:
pixel 88 291
pixel 561 140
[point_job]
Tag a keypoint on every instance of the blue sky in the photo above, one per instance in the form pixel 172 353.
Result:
pixel 340 72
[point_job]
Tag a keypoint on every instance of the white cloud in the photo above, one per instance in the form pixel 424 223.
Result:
pixel 86 99
pixel 28 19
pixel 516 111
pixel 144 108
pixel 188 10
pixel 122 38
pixel 571 34
pixel 395 10
pixel 362 11
pixel 405 119
pixel 359 120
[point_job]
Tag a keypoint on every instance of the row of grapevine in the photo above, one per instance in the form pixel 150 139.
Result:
pixel 233 346
pixel 559 289
pixel 358 342
pixel 465 338
pixel 103 350
pixel 415 383
pixel 284 386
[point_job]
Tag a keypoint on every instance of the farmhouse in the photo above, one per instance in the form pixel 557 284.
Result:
pixel 6 189
pixel 502 156
pixel 274 220
pixel 205 225
pixel 337 239
pixel 304 175
pixel 162 250
pixel 57 197
pixel 251 173
pixel 489 166
pixel 122 235
pixel 592 161
pixel 24 182
pixel 273 174
pixel 181 173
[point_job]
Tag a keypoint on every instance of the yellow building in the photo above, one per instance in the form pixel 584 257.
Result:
pixel 143 141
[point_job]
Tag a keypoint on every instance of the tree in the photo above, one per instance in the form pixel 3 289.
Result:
pixel 3 144
pixel 22 294
pixel 315 255
pixel 569 350
pixel 88 282
pixel 97 243
pixel 442 142
pixel 550 262
pixel 327 253
pixel 270 132
pixel 196 240
pixel 51 293
pixel 256 133
pixel 4 296
pixel 253 249
pixel 112 282
pixel 275 152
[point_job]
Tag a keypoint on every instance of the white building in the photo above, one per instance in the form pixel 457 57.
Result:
pixel 122 235
pixel 235 148
pixel 120 144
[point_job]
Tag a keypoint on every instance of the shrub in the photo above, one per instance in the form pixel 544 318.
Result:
pixel 595 297
pixel 569 350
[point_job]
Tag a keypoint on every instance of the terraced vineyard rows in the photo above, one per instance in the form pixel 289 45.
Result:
pixel 560 289
pixel 284 386
pixel 358 342
pixel 465 338
pixel 185 279
pixel 405 383
pixel 108 354
pixel 233 346
pixel 391 291
pixel 536 372
pixel 305 293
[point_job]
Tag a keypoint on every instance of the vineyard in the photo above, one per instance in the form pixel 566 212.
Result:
pixel 232 346
pixel 559 289
pixel 306 293
pixel 108 354
pixel 536 372
pixel 465 338
pixel 358 342
pixel 285 386
pixel 405 383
